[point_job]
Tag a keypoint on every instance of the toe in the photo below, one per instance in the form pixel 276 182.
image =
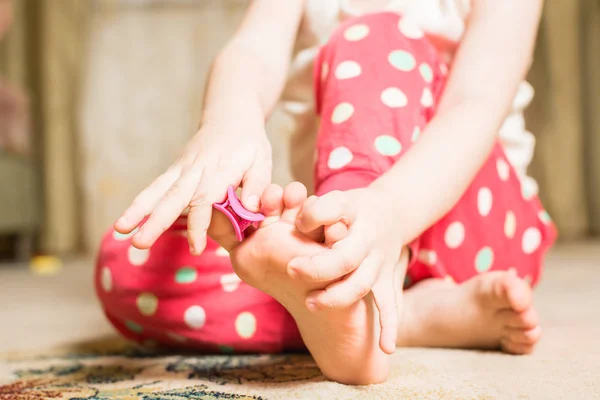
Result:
pixel 524 336
pixel 527 319
pixel 272 201
pixel 293 197
pixel 518 292
pixel 511 347
pixel 506 291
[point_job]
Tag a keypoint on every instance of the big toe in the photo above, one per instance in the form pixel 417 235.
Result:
pixel 294 196
pixel 507 291
pixel 518 292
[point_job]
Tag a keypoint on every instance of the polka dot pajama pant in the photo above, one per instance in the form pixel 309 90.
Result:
pixel 377 83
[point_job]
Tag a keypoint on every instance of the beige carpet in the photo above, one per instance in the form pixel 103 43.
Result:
pixel 54 343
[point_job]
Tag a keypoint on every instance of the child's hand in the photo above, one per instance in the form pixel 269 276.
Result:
pixel 216 157
pixel 365 258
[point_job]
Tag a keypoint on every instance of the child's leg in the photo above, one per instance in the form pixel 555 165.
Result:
pixel 375 93
pixel 167 297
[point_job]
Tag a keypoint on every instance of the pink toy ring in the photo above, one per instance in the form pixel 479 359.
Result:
pixel 240 218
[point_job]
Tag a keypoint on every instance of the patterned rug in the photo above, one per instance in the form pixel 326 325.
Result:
pixel 118 371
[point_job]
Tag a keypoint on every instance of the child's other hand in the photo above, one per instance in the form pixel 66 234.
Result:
pixel 365 258
pixel 231 153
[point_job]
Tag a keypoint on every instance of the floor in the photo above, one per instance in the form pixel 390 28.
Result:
pixel 43 312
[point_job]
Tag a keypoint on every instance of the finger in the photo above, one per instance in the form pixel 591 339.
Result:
pixel 212 189
pixel 385 301
pixel 168 209
pixel 346 292
pixel 254 183
pixel 344 257
pixel 326 210
pixel 146 201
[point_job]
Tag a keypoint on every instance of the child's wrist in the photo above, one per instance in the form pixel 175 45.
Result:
pixel 391 206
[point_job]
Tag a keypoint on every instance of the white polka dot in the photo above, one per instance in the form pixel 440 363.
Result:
pixel 147 303
pixel 545 217
pixel 324 71
pixel 426 98
pixel 415 135
pixel 121 237
pixel 177 338
pixel 106 279
pixel 230 282
pixel 503 169
pixel 455 235
pixel 484 201
pixel 342 113
pixel 339 157
pixel 347 70
pixel 510 224
pixel 221 252
pixel 394 97
pixel 245 325
pixel 428 257
pixel 137 257
pixel 387 145
pixel 195 317
pixel 426 72
pixel 410 29
pixel 528 189
pixel 532 238
pixel 356 32
pixel 402 60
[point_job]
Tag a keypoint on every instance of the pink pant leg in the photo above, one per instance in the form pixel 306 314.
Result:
pixel 169 297
pixel 377 85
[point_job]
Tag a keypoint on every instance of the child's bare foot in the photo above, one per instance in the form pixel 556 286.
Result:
pixel 490 311
pixel 344 343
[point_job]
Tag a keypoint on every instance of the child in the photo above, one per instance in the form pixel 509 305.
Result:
pixel 414 185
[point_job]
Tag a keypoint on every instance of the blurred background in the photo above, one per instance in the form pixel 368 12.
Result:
pixel 97 97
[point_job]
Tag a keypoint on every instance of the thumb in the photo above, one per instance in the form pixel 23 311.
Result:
pixel 254 184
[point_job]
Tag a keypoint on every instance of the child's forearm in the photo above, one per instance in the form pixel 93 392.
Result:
pixel 248 76
pixel 492 60
pixel 234 93
pixel 433 175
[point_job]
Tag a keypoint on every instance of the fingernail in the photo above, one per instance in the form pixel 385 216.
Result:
pixel 311 306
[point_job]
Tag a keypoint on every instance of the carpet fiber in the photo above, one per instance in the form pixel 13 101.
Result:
pixel 54 343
